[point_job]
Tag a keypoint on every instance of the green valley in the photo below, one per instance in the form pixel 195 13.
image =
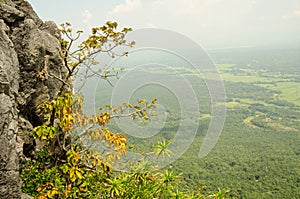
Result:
pixel 257 155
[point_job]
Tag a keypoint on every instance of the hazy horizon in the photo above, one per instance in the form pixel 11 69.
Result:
pixel 213 24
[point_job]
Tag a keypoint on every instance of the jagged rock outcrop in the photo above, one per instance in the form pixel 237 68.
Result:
pixel 27 47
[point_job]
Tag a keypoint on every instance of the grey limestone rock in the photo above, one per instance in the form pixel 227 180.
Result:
pixel 27 46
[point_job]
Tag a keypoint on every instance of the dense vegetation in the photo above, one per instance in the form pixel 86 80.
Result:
pixel 257 155
pixel 78 152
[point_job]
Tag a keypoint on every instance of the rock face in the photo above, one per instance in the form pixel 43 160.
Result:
pixel 27 47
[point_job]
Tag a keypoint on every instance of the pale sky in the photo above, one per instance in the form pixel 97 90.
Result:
pixel 211 23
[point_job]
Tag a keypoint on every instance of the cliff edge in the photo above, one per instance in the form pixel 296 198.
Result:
pixel 27 46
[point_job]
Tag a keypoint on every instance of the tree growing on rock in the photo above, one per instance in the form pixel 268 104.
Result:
pixel 66 167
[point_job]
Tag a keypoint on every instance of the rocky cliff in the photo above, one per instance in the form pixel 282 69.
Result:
pixel 27 46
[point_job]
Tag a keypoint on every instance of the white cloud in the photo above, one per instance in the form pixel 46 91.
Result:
pixel 87 16
pixel 126 7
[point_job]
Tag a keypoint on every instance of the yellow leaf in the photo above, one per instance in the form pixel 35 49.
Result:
pixel 54 192
pixel 73 179
pixel 143 112
pixel 72 172
pixel 94 162
pixel 79 175
pixel 142 101
pixel 154 113
pixel 44 137
pixel 39 189
pixel 82 189
pixel 99 163
pixel 49 194
pixel 109 106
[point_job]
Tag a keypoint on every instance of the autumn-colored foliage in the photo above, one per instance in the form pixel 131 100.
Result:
pixel 68 166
